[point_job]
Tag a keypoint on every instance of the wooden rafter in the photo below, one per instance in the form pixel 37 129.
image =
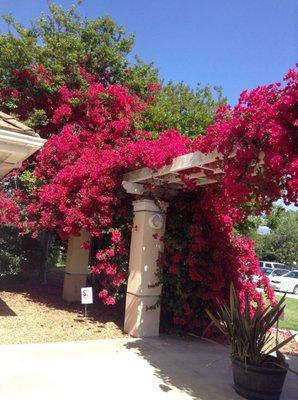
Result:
pixel 134 181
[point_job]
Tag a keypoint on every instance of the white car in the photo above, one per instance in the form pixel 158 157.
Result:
pixel 270 273
pixel 271 264
pixel 276 273
pixel 286 283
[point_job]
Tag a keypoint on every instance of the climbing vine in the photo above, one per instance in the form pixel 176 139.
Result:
pixel 97 139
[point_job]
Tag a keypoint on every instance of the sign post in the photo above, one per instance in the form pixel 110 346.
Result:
pixel 86 297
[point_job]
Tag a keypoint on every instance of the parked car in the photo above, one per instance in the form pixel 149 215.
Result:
pixel 272 264
pixel 270 273
pixel 276 272
pixel 286 283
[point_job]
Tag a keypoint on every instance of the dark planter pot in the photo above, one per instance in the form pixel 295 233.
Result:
pixel 258 383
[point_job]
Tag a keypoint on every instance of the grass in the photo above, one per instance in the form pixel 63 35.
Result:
pixel 291 314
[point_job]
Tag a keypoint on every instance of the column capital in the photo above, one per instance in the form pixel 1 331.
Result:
pixel 150 205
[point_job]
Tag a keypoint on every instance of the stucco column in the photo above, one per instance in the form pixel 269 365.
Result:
pixel 76 269
pixel 142 292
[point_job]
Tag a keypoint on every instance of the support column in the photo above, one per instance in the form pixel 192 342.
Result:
pixel 142 292
pixel 76 269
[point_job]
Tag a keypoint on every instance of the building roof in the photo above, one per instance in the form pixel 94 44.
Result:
pixel 17 142
pixel 8 122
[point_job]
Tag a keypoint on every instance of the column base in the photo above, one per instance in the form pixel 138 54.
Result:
pixel 72 286
pixel 139 321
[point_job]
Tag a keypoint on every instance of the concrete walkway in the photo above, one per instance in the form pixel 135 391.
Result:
pixel 154 368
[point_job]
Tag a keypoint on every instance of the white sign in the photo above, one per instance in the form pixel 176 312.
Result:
pixel 86 295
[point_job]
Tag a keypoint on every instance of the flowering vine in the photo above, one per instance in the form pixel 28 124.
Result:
pixel 79 173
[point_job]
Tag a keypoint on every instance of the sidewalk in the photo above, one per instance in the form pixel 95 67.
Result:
pixel 152 368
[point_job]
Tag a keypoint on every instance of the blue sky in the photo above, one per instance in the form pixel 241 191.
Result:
pixel 236 44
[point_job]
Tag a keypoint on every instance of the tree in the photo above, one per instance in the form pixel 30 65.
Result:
pixel 284 239
pixel 178 106
pixel 19 254
pixel 60 44
pixel 63 48
pixel 275 218
pixel 11 251
pixel 62 40
pixel 36 61
pixel 281 245
pixel 249 226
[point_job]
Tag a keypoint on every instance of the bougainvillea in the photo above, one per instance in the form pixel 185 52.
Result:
pixel 79 174
pixel 9 210
pixel 258 143
pixel 261 132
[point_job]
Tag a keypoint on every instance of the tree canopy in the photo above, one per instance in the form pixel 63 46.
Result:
pixel 62 43
pixel 63 48
pixel 178 106
pixel 62 40
pixel 281 245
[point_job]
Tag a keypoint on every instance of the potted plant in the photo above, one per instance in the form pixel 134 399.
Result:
pixel 259 369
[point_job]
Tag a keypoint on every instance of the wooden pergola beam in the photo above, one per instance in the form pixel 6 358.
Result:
pixel 133 182
pixel 179 164
pixel 196 164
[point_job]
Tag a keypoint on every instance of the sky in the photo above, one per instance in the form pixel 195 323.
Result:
pixel 235 44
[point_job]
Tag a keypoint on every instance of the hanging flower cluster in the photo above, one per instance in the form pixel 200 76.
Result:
pixel 202 257
pixel 79 174
pixel 258 141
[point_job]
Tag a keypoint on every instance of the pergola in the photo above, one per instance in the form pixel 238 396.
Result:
pixel 141 319
pixel 143 292
pixel 17 142
pixel 195 164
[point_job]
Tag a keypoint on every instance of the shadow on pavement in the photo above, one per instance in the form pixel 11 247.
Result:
pixel 197 367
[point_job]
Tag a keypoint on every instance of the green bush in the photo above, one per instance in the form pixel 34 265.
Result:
pixel 23 254
pixel 18 253
pixel 11 252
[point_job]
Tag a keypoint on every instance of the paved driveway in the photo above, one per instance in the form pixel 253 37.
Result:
pixel 153 368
